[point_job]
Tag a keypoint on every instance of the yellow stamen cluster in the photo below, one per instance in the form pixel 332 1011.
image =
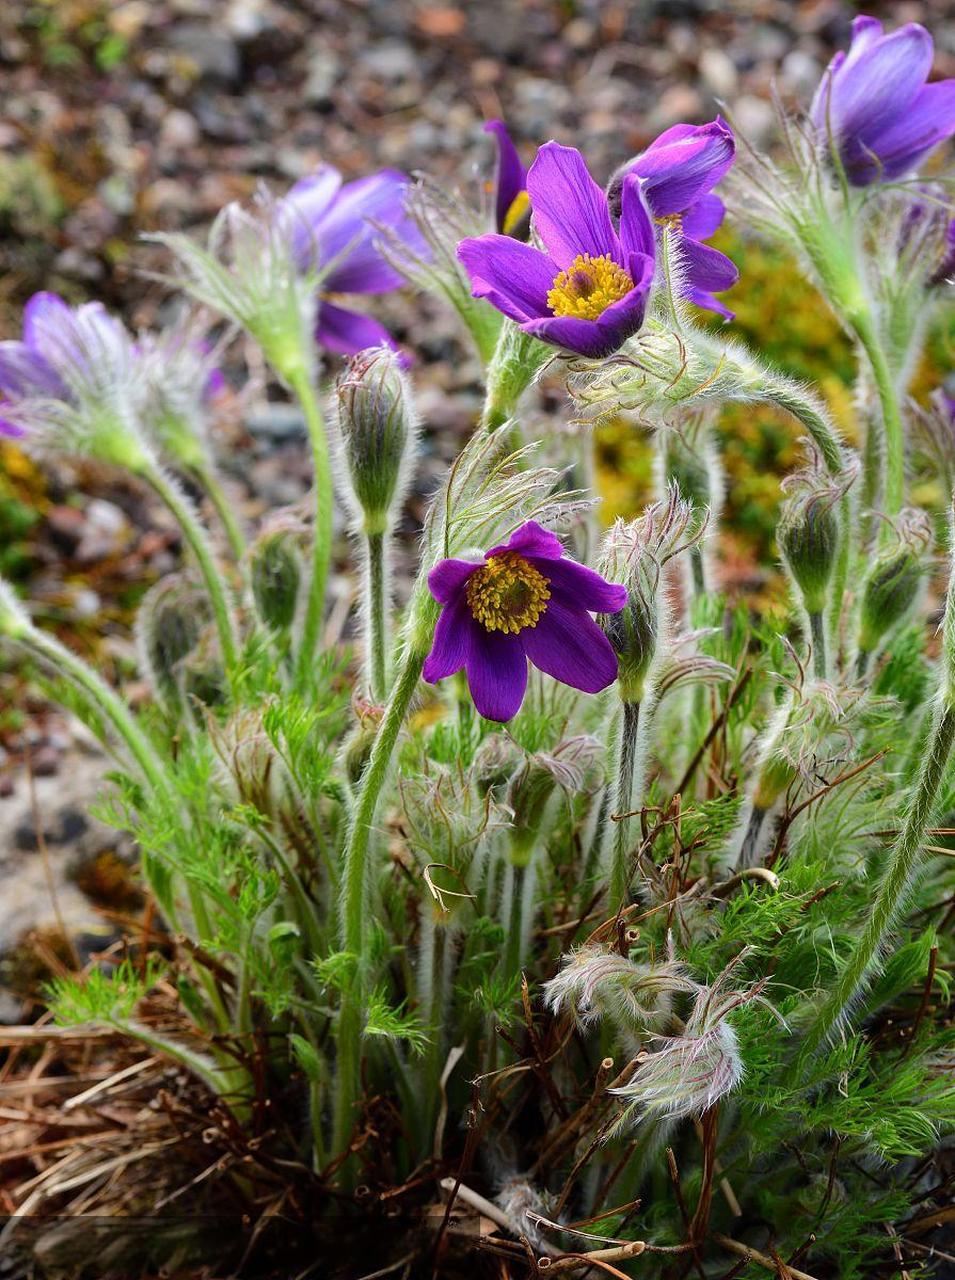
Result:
pixel 507 593
pixel 588 287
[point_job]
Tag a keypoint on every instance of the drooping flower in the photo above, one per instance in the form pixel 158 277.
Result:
pixel 874 107
pixel 72 382
pixel 523 602
pixel 512 205
pixel 587 290
pixel 334 230
pixel 678 172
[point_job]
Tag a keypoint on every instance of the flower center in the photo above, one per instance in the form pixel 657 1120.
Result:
pixel 588 287
pixel 507 593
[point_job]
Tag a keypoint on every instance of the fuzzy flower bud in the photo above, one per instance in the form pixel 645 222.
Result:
pixel 377 429
pixel 634 554
pixel 571 766
pixel 596 983
pixel 168 626
pixel 809 532
pixel 892 587
pixel 275 575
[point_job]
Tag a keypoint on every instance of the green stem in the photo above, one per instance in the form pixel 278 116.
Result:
pixel 377 639
pixel 894 439
pixel 301 384
pixel 818 632
pixel 893 890
pixel 514 924
pixel 698 571
pixel 224 510
pixel 624 802
pixel 353 905
pixel 106 702
pixel 181 507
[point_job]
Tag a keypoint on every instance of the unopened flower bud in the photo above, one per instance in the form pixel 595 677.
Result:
pixel 809 531
pixel 634 555
pixel 892 587
pixel 275 574
pixel 168 626
pixel 358 744
pixel 570 766
pixel 377 429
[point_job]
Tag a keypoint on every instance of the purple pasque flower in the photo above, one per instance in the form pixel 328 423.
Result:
pixel 512 205
pixel 334 230
pixel 587 289
pixel 67 355
pixel 874 107
pixel 523 602
pixel 678 172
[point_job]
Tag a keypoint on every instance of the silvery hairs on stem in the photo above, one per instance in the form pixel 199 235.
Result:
pixel 250 271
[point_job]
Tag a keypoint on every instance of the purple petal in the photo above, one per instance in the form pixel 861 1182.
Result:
pixel 570 210
pixel 683 164
pixel 9 429
pixel 581 588
pixel 705 217
pixel 446 580
pixel 532 539
pixel 514 277
pixel 346 239
pixel 707 268
pixel 497 672
pixel 928 121
pixel 346 332
pixel 451 646
pixel 511 177
pixel 301 210
pixel 568 645
pixel 24 373
pixel 700 298
pixel 876 83
pixel 43 313
pixel 636 225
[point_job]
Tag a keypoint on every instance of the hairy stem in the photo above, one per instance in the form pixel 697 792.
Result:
pixel 817 630
pixel 353 904
pixel 301 384
pixel 224 509
pixel 181 507
pixel 624 802
pixel 893 451
pixel 900 873
pixel 376 645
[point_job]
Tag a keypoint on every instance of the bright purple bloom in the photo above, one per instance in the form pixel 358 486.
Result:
pixel 873 103
pixel 332 231
pixel 588 290
pixel 66 352
pixel 678 172
pixel 512 206
pixel 523 602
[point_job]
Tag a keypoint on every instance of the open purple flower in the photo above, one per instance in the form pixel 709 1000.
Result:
pixel 523 602
pixel 678 172
pixel 587 290
pixel 874 107
pixel 332 229
pixel 512 205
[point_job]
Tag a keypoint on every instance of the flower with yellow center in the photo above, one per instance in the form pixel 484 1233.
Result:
pixel 588 287
pixel 507 593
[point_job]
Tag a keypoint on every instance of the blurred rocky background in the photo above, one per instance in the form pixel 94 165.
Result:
pixel 121 117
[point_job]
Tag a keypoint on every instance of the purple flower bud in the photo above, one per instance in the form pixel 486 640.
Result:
pixel 874 107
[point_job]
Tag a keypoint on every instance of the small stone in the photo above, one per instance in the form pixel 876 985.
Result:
pixel 391 60
pixel 718 72
pixel 755 118
pixel 45 762
pixel 321 76
pixel 179 131
pixel 213 52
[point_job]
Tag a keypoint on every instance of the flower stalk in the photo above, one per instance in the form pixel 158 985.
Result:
pixel 301 383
